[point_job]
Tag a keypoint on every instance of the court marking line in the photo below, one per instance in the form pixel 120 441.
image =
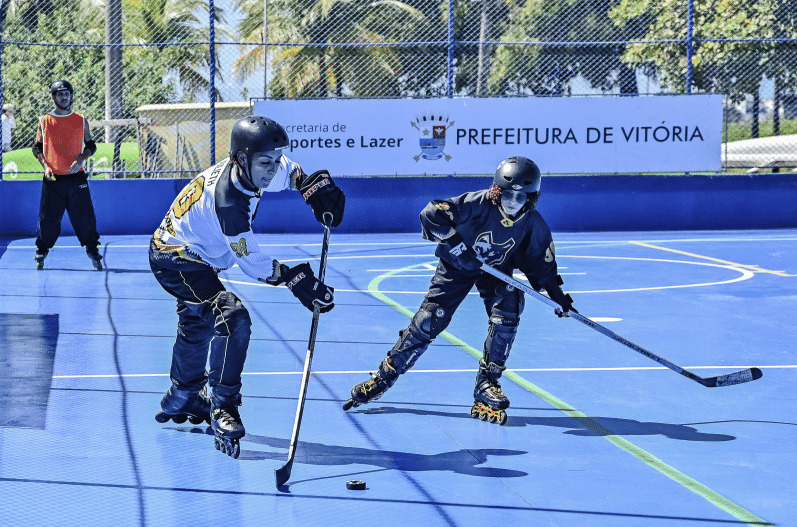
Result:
pixel 649 459
pixel 746 274
pixel 413 371
pixel 753 268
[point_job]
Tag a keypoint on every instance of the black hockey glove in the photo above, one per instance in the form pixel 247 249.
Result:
pixel 321 193
pixel 460 254
pixel 307 288
pixel 564 300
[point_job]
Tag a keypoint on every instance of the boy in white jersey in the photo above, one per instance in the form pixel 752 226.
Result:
pixel 208 229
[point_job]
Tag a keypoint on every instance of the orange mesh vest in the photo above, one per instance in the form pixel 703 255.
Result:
pixel 63 140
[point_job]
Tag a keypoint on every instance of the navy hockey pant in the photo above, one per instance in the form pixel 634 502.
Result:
pixel 71 194
pixel 213 327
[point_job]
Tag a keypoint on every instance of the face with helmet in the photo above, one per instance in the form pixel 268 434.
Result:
pixel 256 146
pixel 63 95
pixel 516 184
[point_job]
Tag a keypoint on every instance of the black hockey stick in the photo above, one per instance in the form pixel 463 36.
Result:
pixel 737 377
pixel 283 474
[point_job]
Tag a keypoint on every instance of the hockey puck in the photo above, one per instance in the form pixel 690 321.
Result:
pixel 355 485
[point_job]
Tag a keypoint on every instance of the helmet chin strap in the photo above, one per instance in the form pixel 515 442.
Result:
pixel 244 172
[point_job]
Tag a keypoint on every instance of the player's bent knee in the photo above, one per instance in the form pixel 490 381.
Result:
pixel 429 321
pixel 231 315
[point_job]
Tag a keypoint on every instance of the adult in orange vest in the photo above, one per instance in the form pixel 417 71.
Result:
pixel 63 144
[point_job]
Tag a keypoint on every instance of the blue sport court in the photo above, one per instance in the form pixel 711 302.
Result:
pixel 597 434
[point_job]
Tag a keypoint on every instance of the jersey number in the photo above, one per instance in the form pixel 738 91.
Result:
pixel 188 197
pixel 239 248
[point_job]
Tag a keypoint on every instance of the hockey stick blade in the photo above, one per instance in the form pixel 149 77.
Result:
pixel 738 377
pixel 283 474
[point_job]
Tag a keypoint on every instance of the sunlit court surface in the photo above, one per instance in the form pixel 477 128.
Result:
pixel 597 434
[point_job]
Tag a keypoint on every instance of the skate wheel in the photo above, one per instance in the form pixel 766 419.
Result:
pixel 179 419
pixel 492 419
pixel 235 449
pixel 502 418
pixel 348 404
pixel 161 417
pixel 195 420
pixel 217 443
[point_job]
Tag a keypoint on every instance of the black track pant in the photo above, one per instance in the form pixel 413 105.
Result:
pixel 71 194
pixel 213 327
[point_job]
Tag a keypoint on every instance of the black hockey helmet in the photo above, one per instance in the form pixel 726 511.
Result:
pixel 518 173
pixel 256 134
pixel 61 85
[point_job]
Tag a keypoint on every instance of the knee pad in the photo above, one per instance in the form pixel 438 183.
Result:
pixel 231 315
pixel 406 351
pixel 429 321
pixel 498 343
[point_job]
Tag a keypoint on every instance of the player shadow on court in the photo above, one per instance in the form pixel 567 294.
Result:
pixel 579 426
pixel 467 462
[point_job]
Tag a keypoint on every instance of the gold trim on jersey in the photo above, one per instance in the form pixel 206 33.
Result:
pixel 507 221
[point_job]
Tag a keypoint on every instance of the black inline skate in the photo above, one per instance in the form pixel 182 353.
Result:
pixel 39 258
pixel 226 422
pixel 373 388
pixel 181 405
pixel 490 402
pixel 95 257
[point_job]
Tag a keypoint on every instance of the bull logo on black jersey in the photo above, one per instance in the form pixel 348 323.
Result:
pixel 492 253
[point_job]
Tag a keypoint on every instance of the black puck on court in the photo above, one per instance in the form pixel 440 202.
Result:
pixel 355 485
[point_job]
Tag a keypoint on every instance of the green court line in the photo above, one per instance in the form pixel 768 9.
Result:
pixel 649 459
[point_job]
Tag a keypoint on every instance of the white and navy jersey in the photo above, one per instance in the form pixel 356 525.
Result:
pixel 210 221
pixel 524 243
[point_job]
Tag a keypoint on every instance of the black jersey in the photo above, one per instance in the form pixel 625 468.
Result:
pixel 524 243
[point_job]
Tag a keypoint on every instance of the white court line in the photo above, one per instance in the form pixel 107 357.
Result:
pixel 468 370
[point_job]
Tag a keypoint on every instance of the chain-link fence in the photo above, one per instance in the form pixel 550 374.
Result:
pixel 144 70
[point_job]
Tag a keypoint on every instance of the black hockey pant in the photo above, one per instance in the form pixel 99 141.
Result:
pixel 211 320
pixel 71 194
pixel 450 286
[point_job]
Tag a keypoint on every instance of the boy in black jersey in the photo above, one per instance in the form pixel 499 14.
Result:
pixel 500 227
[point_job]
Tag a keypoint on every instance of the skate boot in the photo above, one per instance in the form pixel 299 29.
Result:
pixel 95 257
pixel 373 388
pixel 226 423
pixel 179 405
pixel 489 401
pixel 39 258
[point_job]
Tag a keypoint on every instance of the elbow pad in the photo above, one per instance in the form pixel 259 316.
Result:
pixel 38 148
pixel 91 146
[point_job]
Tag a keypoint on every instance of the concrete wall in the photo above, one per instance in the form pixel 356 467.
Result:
pixel 579 203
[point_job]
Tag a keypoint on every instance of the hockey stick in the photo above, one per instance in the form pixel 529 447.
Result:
pixel 737 377
pixel 283 474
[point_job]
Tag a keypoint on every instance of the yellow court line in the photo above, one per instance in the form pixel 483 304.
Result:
pixel 751 267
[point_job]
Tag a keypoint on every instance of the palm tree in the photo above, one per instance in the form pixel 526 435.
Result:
pixel 169 23
pixel 311 68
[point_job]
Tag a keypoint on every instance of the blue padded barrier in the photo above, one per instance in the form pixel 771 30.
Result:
pixel 392 204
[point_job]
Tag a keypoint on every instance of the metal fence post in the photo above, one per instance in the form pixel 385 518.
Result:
pixel 212 59
pixel 450 91
pixel 690 26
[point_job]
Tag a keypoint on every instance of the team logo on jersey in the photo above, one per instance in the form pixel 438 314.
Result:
pixel 550 253
pixel 432 128
pixel 239 248
pixel 492 253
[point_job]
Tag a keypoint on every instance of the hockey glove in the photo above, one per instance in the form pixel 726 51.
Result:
pixel 564 300
pixel 307 288
pixel 321 193
pixel 460 254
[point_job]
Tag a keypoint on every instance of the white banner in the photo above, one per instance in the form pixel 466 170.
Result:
pixel 472 136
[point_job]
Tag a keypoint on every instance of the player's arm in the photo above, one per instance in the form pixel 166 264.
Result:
pixel 89 149
pixel 545 276
pixel 439 220
pixel 38 152
pixel 321 193
pixel 300 280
